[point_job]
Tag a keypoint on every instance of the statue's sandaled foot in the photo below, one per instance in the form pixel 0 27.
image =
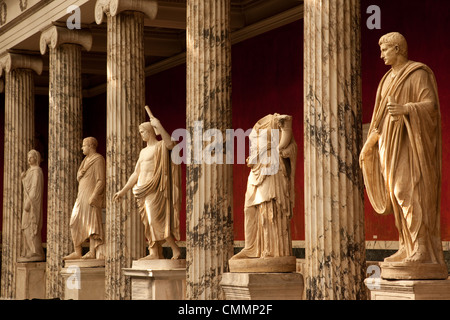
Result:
pixel 89 255
pixel 397 257
pixel 241 255
pixel 176 253
pixel 419 256
pixel 151 256
pixel 72 256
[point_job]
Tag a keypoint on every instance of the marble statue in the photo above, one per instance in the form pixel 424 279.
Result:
pixel 86 218
pixel 270 195
pixel 156 184
pixel 31 225
pixel 401 162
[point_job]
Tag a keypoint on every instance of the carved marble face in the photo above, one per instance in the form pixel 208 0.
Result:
pixel 389 53
pixel 86 148
pixel 32 160
pixel 146 132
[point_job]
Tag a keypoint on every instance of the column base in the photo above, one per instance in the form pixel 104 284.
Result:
pixel 30 282
pixel 262 286
pixel 84 279
pixel 408 289
pixel 159 279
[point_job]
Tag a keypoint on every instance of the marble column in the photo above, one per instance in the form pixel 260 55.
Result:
pixel 209 187
pixel 19 139
pixel 125 111
pixel 334 206
pixel 64 144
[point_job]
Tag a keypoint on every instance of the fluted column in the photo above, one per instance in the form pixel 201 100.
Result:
pixel 209 193
pixel 64 143
pixel 334 212
pixel 19 139
pixel 125 111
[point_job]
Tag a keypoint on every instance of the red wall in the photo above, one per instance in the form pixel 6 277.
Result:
pixel 268 78
pixel 166 97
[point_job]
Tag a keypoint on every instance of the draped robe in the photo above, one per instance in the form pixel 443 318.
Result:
pixel 402 172
pixel 159 199
pixel 269 199
pixel 86 220
pixel 33 186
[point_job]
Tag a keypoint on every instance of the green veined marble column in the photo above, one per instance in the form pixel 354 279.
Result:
pixel 64 143
pixel 209 189
pixel 125 111
pixel 334 206
pixel 19 139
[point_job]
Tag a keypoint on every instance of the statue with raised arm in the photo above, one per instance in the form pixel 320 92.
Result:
pixel 86 218
pixel 33 192
pixel 269 199
pixel 156 184
pixel 401 162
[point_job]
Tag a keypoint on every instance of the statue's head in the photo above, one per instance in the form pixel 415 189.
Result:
pixel 146 129
pixel 393 45
pixel 34 157
pixel 89 145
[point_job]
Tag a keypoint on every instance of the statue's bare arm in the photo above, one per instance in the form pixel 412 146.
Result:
pixel 132 180
pixel 164 135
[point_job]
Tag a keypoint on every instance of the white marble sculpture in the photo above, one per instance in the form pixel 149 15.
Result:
pixel 86 218
pixel 269 199
pixel 33 191
pixel 401 162
pixel 156 184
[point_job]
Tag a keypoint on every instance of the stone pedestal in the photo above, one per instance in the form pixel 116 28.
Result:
pixel 413 271
pixel 157 279
pixel 262 286
pixel 84 279
pixel 264 265
pixel 30 280
pixel 408 289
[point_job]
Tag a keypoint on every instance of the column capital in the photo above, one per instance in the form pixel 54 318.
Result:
pixel 114 7
pixel 54 36
pixel 11 61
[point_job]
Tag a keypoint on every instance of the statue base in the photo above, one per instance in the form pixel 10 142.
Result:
pixel 263 265
pixel 262 286
pixel 408 289
pixel 30 282
pixel 158 279
pixel 84 279
pixel 413 271
pixel 31 259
